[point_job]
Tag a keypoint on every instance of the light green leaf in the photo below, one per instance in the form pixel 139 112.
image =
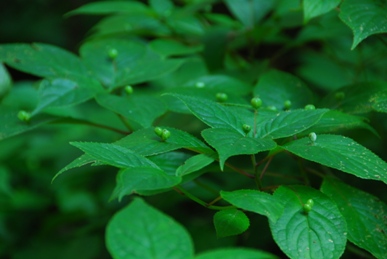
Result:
pixel 167 47
pixel 315 8
pixel 135 63
pixel 113 155
pixel 42 60
pixel 170 161
pixel 140 231
pixel 5 81
pixel 61 92
pixel 249 12
pixel 230 222
pixel 341 153
pixel 108 7
pixel 230 143
pixel 379 102
pixel 255 201
pixel 236 253
pixel 137 179
pixel 320 233
pixel 194 164
pixel 137 108
pixel 364 17
pixel 366 216
pixel 287 87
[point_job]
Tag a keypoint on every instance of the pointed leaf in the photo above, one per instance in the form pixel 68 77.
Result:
pixel 315 8
pixel 236 253
pixel 249 12
pixel 230 222
pixel 255 201
pixel 320 233
pixel 194 164
pixel 366 216
pixel 230 143
pixel 341 153
pixel 364 17
pixel 108 7
pixel 167 47
pixel 137 179
pixel 140 231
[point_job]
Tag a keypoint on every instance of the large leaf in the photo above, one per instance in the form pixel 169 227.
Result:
pixel 140 231
pixel 135 63
pixel 255 201
pixel 319 233
pixel 108 7
pixel 137 179
pixel 230 143
pixel 276 87
pixel 236 253
pixel 366 216
pixel 364 17
pixel 42 60
pixel 341 153
pixel 230 222
pixel 315 8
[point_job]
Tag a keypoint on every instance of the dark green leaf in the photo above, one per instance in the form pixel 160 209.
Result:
pixel 5 81
pixel 379 102
pixel 162 7
pixel 230 222
pixel 108 7
pixel 166 48
pixel 235 253
pixel 5 183
pixel 364 17
pixel 315 8
pixel 366 216
pixel 140 231
pixel 230 143
pixel 255 201
pixel 250 12
pixel 320 233
pixel 341 153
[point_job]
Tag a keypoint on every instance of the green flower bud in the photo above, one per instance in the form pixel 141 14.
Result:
pixel 310 202
pixel 112 53
pixel 310 107
pixel 24 116
pixel 128 89
pixel 246 128
pixel 158 131
pixel 256 102
pixel 312 137
pixel 307 208
pixel 165 134
pixel 221 97
pixel 287 104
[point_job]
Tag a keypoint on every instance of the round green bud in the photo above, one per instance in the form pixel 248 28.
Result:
pixel 287 104
pixel 256 102
pixel 312 137
pixel 129 89
pixel 339 96
pixel 112 53
pixel 158 131
pixel 165 134
pixel 246 128
pixel 310 202
pixel 307 207
pixel 272 108
pixel 24 116
pixel 221 97
pixel 310 107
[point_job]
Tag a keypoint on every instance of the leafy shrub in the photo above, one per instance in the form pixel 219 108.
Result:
pixel 231 112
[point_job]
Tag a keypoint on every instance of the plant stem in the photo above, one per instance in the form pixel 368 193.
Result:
pixel 255 168
pixel 265 168
pixel 239 170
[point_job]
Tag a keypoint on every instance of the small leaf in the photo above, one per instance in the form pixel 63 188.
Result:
pixel 236 253
pixel 366 216
pixel 230 143
pixel 230 222
pixel 194 164
pixel 255 201
pixel 137 179
pixel 140 231
pixel 315 8
pixel 108 7
pixel 250 12
pixel 341 153
pixel 364 17
pixel 320 233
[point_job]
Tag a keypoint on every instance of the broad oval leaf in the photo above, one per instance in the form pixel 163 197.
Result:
pixel 364 17
pixel 341 153
pixel 140 231
pixel 320 233
pixel 137 179
pixel 314 8
pixel 230 143
pixel 230 222
pixel 236 253
pixel 366 216
pixel 255 201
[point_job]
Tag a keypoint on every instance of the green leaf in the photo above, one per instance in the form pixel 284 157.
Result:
pixel 162 7
pixel 364 17
pixel 5 183
pixel 255 201
pixel 113 155
pixel 135 63
pixel 108 7
pixel 137 108
pixel 379 102
pixel 315 8
pixel 250 12
pixel 5 81
pixel 365 214
pixel 140 231
pixel 320 233
pixel 194 164
pixel 341 153
pixel 137 179
pixel 167 47
pixel 228 143
pixel 287 87
pixel 42 60
pixel 230 222
pixel 61 92
pixel 236 253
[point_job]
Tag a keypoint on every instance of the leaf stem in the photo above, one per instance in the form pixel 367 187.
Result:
pixel 266 166
pixel 239 170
